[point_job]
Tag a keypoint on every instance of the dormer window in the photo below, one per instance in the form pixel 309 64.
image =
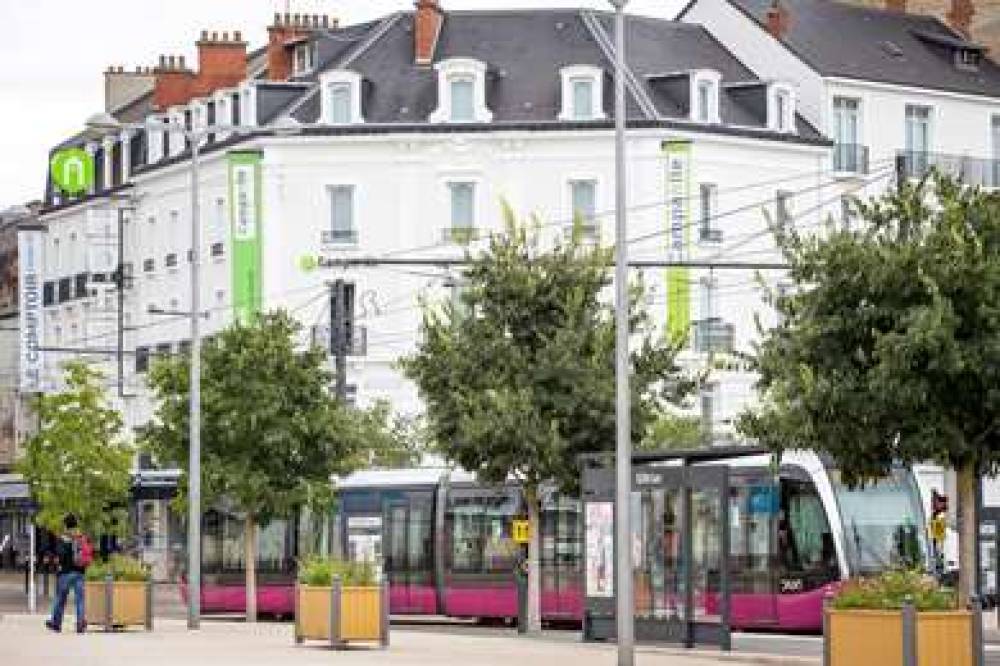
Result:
pixel 341 102
pixel 461 92
pixel 781 108
pixel 705 96
pixel 582 93
pixel 247 105
pixel 304 58
pixel 968 58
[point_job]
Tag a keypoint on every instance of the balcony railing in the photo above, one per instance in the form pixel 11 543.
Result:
pixel 707 234
pixel 460 235
pixel 975 171
pixel 850 158
pixel 713 335
pixel 339 237
pixel 585 231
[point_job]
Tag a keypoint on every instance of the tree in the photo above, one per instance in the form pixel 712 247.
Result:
pixel 272 431
pixel 674 431
pixel 889 349
pixel 78 462
pixel 518 376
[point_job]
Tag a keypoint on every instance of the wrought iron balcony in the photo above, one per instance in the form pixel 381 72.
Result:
pixel 585 231
pixel 975 171
pixel 708 234
pixel 713 335
pixel 850 158
pixel 460 235
pixel 339 237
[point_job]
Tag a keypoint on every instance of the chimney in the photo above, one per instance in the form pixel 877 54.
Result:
pixel 960 17
pixel 222 61
pixel 174 83
pixel 427 24
pixel 122 87
pixel 896 6
pixel 778 19
pixel 285 29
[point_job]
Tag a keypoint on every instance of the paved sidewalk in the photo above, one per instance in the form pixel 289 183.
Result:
pixel 24 642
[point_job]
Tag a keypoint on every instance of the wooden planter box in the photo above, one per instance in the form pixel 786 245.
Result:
pixel 342 614
pixel 901 638
pixel 119 604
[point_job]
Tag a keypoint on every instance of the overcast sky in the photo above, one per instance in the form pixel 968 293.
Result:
pixel 54 53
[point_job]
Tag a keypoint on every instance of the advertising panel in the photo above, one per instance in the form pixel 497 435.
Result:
pixel 31 361
pixel 678 161
pixel 245 214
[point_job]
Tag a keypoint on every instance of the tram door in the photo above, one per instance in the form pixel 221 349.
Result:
pixel 753 561
pixel 409 561
pixel 561 562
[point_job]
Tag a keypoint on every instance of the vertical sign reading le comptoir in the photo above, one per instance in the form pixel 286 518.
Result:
pixel 32 360
pixel 245 211
pixel 678 176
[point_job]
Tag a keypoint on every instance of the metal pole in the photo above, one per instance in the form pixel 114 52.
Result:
pixel 338 335
pixel 194 466
pixel 32 592
pixel 623 431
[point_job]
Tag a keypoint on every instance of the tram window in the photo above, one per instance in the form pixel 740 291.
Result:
pixel 272 546
pixel 809 541
pixel 466 518
pixel 751 526
pixel 420 537
pixel 498 551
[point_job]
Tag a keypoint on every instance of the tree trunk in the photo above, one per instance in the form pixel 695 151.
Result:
pixel 968 526
pixel 250 557
pixel 534 562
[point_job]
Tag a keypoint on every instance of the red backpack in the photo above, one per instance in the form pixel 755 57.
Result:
pixel 83 551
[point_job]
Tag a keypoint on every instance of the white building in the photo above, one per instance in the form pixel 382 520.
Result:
pixel 882 84
pixel 409 132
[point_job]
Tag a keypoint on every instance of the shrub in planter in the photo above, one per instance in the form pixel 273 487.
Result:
pixel 118 593
pixel 340 601
pixel 902 618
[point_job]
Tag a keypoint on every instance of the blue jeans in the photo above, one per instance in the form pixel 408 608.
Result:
pixel 67 581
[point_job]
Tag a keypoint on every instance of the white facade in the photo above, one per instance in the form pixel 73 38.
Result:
pixel 963 127
pixel 400 187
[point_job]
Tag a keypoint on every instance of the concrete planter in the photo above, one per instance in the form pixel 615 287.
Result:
pixel 342 614
pixel 121 604
pixel 901 638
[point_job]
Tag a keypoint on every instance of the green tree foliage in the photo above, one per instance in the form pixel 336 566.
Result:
pixel 272 431
pixel 674 432
pixel 78 462
pixel 518 376
pixel 889 349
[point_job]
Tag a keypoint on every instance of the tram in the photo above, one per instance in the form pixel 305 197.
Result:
pixel 443 541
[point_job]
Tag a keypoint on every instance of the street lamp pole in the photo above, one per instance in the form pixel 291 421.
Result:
pixel 623 403
pixel 194 417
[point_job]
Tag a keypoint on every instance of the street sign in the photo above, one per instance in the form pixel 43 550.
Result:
pixel 521 531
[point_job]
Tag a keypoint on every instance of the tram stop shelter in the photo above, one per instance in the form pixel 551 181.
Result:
pixel 680 536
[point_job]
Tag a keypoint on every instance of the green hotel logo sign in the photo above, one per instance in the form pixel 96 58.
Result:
pixel 72 170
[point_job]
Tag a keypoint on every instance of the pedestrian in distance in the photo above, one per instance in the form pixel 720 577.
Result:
pixel 74 553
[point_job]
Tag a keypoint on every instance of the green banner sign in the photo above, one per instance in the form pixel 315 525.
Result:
pixel 678 181
pixel 245 214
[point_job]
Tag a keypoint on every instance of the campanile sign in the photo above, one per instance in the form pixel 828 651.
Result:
pixel 31 359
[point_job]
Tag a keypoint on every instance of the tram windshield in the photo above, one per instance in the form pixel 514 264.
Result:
pixel 883 522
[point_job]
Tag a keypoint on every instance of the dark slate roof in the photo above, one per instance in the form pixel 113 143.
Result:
pixel 523 83
pixel 839 39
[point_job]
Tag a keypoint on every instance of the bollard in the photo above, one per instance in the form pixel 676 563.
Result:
pixel 335 613
pixel 109 599
pixel 384 627
pixel 298 614
pixel 909 633
pixel 149 604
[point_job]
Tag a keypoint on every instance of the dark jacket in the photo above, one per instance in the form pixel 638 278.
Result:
pixel 64 553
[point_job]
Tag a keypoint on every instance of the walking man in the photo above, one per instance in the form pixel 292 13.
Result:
pixel 74 553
